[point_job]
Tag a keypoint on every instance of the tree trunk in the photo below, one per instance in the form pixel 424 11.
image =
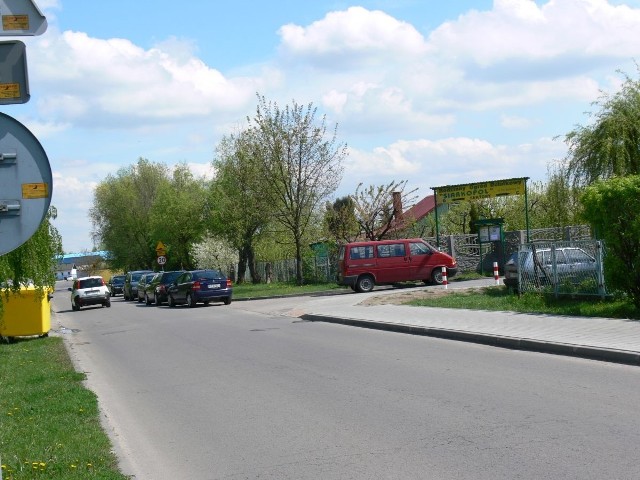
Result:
pixel 242 265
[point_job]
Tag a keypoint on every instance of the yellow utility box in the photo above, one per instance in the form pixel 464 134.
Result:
pixel 24 315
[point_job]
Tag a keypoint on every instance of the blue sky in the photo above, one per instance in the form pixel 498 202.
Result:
pixel 431 92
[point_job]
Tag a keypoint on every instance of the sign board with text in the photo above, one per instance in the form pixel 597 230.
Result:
pixel 479 190
pixel 14 82
pixel 21 17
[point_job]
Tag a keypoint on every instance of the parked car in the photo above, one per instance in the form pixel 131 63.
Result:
pixel 200 286
pixel 572 264
pixel 145 279
pixel 362 265
pixel 131 279
pixel 116 285
pixel 89 291
pixel 156 290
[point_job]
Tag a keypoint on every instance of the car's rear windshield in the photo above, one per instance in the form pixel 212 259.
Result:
pixel 207 275
pixel 90 283
pixel 170 276
pixel 117 280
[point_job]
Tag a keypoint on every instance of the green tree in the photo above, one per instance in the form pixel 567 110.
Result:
pixel 609 145
pixel 121 214
pixel 33 262
pixel 238 193
pixel 611 207
pixel 302 163
pixel 178 216
pixel 374 207
pixel 340 220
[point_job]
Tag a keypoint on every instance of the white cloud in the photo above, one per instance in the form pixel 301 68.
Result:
pixel 99 82
pixel 352 37
pixel 562 35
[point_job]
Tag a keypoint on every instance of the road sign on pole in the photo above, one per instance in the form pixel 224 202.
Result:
pixel 21 17
pixel 14 82
pixel 25 184
pixel 162 260
pixel 161 250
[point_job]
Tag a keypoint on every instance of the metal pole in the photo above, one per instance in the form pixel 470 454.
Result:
pixel 526 209
pixel 435 198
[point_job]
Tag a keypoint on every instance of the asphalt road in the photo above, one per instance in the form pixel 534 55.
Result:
pixel 245 392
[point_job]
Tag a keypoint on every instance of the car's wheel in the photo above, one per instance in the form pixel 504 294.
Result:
pixel 227 300
pixel 190 300
pixel 207 302
pixel 436 276
pixel 171 301
pixel 157 300
pixel 365 284
pixel 108 303
pixel 147 300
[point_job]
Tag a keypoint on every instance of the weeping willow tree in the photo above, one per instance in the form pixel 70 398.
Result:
pixel 610 145
pixel 33 262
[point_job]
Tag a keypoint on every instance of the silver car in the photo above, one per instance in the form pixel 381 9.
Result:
pixel 550 266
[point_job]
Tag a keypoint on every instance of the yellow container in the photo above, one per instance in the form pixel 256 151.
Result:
pixel 24 315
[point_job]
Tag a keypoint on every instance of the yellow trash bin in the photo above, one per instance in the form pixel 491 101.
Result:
pixel 24 315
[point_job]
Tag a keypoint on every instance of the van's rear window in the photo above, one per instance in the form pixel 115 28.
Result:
pixel 357 253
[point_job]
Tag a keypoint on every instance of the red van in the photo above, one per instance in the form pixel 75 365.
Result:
pixel 362 265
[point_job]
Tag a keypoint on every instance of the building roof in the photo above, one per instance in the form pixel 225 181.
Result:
pixel 82 257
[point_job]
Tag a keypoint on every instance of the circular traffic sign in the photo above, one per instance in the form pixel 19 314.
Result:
pixel 162 260
pixel 25 184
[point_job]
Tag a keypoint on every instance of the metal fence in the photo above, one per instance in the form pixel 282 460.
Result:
pixel 319 269
pixel 562 268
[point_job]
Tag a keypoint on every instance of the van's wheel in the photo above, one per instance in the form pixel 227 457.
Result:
pixel 365 284
pixel 171 301
pixel 436 276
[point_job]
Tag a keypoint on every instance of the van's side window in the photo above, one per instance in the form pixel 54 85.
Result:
pixel 419 249
pixel 358 253
pixel 392 250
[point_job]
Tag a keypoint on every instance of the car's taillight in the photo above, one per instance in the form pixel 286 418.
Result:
pixel 229 284
pixel 196 285
pixel 161 289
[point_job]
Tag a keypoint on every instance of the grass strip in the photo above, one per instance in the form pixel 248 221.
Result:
pixel 502 299
pixel 249 290
pixel 49 422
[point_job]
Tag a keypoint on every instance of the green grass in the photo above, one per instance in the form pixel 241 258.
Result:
pixel 501 298
pixel 49 423
pixel 249 290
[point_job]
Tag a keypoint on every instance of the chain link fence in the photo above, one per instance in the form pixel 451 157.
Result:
pixel 561 268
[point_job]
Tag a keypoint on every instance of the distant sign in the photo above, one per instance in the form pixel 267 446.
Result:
pixel 161 250
pixel 480 190
pixel 21 17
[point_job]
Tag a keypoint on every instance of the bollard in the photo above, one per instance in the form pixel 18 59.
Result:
pixel 444 277
pixel 496 274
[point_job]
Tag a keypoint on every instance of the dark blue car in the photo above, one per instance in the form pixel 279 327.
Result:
pixel 200 286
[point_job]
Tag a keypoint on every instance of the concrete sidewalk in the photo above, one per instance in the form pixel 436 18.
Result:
pixel 607 339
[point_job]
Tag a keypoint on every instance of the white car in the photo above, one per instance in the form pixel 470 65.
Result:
pixel 89 291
